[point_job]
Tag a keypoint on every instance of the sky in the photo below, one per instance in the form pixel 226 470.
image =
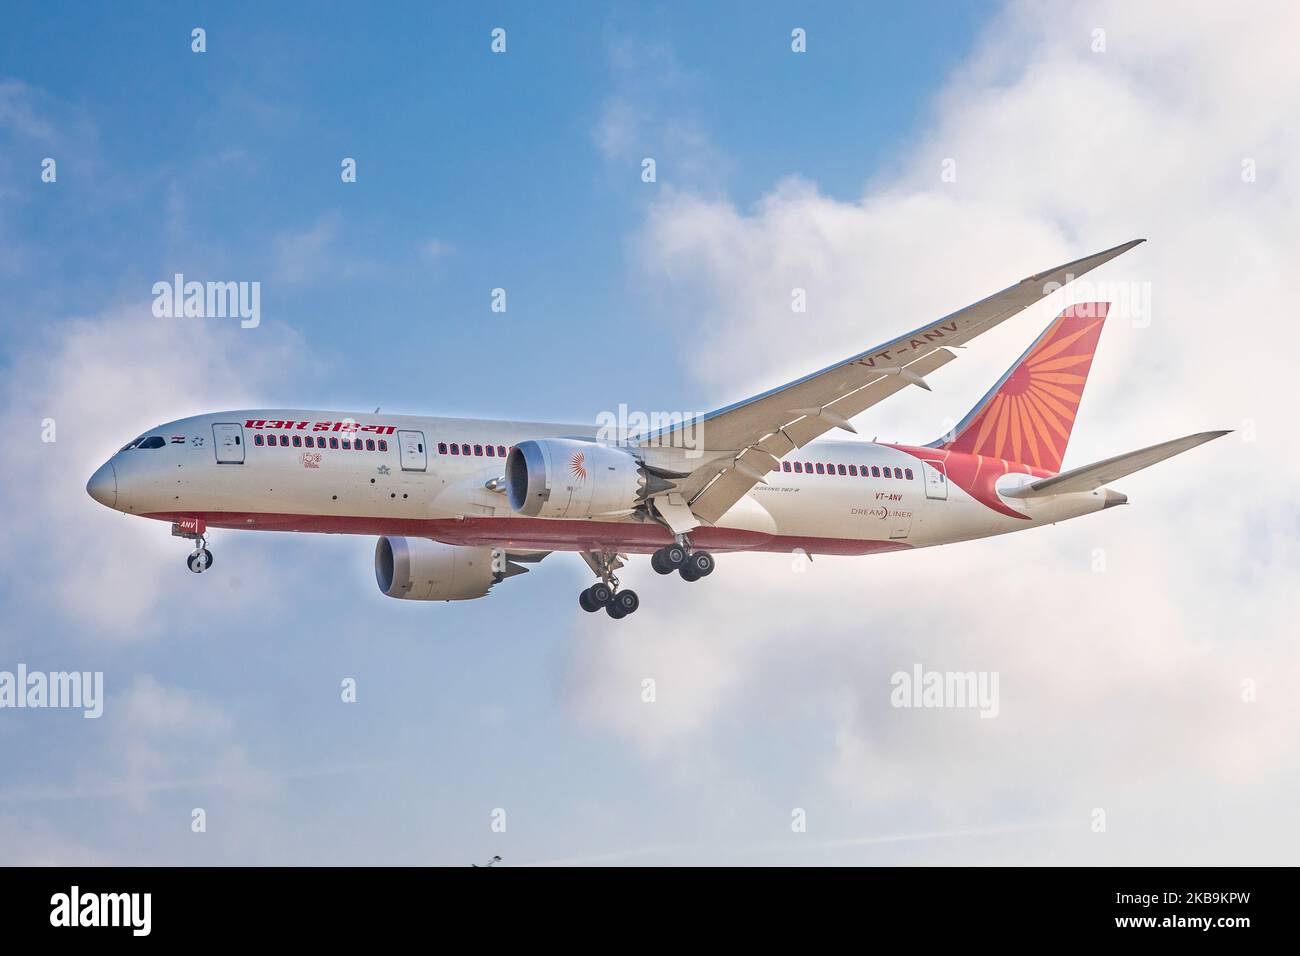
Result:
pixel 909 162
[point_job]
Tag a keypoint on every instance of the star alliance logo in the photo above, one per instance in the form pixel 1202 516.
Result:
pixel 383 469
pixel 197 441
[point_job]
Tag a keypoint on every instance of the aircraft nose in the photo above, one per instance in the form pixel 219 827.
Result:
pixel 103 485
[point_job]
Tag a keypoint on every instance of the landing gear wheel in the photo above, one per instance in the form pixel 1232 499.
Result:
pixel 700 563
pixel 584 602
pixel 199 561
pixel 623 604
pixel 600 594
pixel 688 573
pixel 668 559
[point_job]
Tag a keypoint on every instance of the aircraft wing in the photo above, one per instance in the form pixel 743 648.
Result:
pixel 744 441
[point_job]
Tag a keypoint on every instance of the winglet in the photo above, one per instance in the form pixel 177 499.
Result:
pixel 1063 274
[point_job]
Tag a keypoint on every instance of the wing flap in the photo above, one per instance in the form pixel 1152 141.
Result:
pixel 762 457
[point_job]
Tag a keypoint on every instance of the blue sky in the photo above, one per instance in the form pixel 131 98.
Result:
pixel 522 171
pixel 197 163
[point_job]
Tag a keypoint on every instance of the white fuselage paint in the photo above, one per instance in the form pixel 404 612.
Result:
pixel 370 492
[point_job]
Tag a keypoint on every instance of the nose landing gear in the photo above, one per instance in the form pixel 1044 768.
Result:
pixel 195 530
pixel 200 560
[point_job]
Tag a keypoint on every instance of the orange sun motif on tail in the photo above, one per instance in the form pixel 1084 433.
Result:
pixel 1029 416
pixel 578 465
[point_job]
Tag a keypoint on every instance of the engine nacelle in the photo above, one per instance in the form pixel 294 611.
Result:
pixel 564 478
pixel 418 569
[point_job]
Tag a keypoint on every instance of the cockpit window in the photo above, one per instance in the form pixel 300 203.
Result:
pixel 153 441
pixel 132 445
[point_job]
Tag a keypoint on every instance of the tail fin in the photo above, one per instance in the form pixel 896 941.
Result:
pixel 1027 416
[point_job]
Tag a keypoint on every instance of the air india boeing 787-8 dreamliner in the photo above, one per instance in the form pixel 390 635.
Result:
pixel 459 505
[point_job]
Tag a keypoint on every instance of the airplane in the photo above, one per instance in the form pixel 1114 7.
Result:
pixel 459 505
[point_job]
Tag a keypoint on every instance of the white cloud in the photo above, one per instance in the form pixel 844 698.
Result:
pixel 326 249
pixel 435 250
pixel 1119 689
pixel 650 112
pixel 104 380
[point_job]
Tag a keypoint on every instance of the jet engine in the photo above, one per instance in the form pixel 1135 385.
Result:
pixel 565 478
pixel 419 569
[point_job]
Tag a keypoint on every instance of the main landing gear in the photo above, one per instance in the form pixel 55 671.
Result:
pixel 617 604
pixel 691 565
pixel 605 593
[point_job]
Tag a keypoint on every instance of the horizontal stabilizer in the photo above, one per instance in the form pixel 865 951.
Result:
pixel 1093 476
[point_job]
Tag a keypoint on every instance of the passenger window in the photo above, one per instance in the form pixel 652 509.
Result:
pixel 297 441
pixel 807 467
pixel 257 439
pixel 284 441
pixel 347 444
pixel 491 452
pixel 455 449
pixel 798 467
pixel 501 450
pixel 785 466
pixel 908 472
pixel 875 471
pixel 383 444
pixel 370 444
pixel 464 449
pixel 840 469
pixel 442 448
pixel 821 469
pixel 478 450
pixel 853 470
pixel 334 443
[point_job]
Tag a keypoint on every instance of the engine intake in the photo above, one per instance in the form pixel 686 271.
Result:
pixel 418 569
pixel 566 478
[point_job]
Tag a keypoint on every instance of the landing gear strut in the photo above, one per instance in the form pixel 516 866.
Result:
pixel 605 593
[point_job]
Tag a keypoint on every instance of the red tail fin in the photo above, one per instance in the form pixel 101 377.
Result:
pixel 1027 416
